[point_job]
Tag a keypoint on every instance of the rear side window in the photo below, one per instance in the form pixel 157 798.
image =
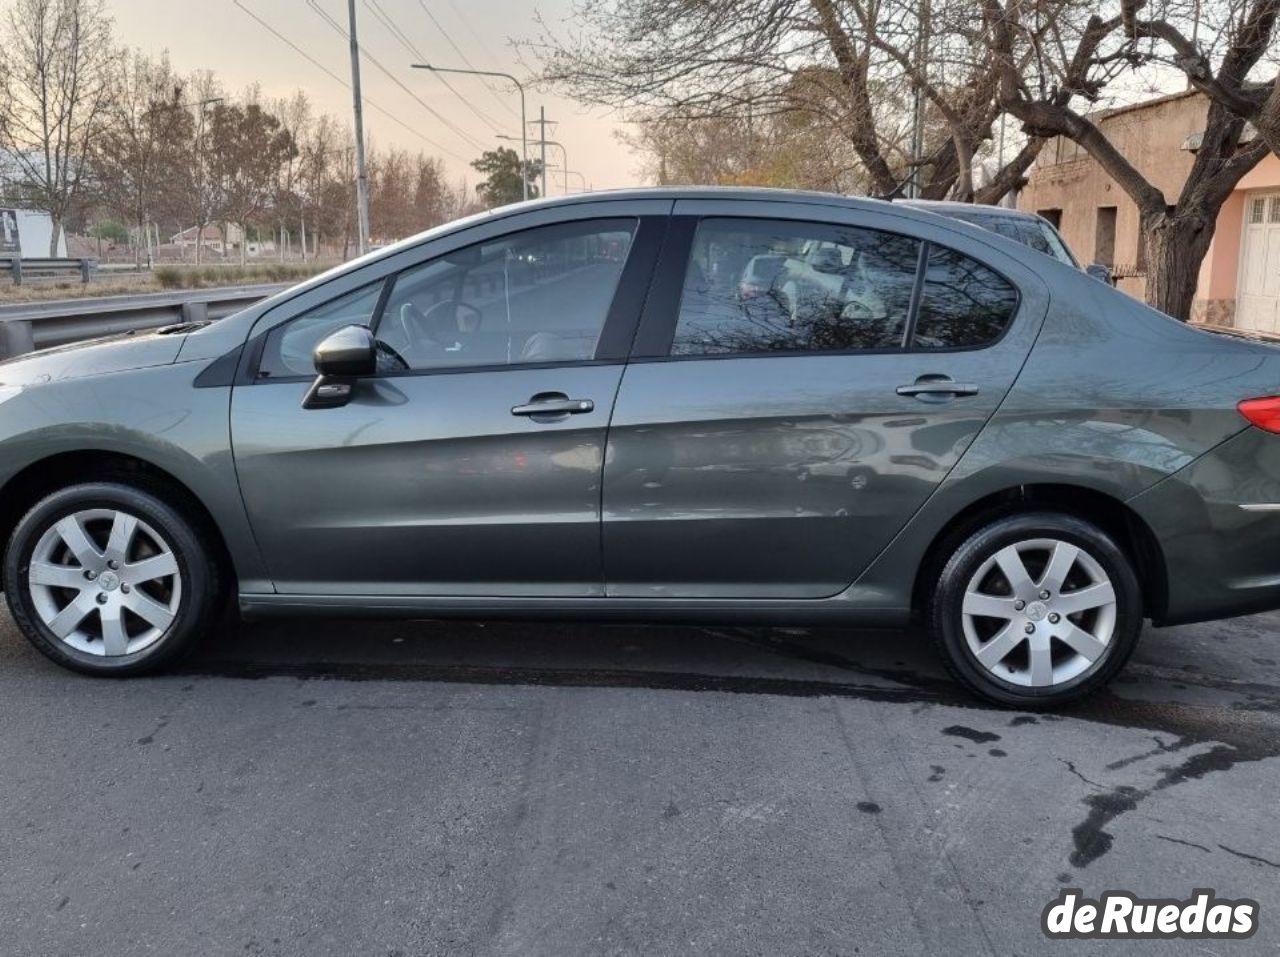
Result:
pixel 768 286
pixel 963 304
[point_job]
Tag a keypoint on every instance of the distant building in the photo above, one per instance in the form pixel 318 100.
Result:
pixel 220 239
pixel 1239 282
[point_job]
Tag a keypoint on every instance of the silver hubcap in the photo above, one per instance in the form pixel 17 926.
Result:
pixel 1039 613
pixel 105 582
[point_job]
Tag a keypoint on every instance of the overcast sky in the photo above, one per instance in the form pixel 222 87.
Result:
pixel 218 35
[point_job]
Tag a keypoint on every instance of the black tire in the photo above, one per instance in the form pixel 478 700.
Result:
pixel 196 605
pixel 946 614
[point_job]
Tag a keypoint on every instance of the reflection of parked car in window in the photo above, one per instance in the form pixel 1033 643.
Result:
pixel 1016 224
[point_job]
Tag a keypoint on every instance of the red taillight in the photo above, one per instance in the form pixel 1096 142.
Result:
pixel 1264 412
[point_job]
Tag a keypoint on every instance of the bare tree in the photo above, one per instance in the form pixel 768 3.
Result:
pixel 198 196
pixel 321 161
pixel 138 155
pixel 56 88
pixel 295 119
pixel 1045 97
pixel 854 66
pixel 787 150
pixel 246 150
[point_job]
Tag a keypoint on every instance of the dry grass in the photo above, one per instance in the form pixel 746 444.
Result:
pixel 162 279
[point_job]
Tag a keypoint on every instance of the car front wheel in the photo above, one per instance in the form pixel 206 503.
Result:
pixel 1037 610
pixel 108 579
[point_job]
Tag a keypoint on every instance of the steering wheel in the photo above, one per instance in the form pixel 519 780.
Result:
pixel 439 324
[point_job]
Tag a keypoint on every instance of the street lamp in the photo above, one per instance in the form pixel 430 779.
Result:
pixel 582 179
pixel 524 136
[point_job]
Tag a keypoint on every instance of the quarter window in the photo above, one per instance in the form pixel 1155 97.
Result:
pixel 760 286
pixel 963 304
pixel 289 347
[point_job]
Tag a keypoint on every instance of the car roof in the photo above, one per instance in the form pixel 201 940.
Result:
pixel 945 207
pixel 753 193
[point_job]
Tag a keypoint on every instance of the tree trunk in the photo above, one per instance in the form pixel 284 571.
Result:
pixel 56 222
pixel 244 244
pixel 199 241
pixel 1176 246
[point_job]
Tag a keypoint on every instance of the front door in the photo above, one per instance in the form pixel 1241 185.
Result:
pixel 1258 301
pixel 800 389
pixel 471 465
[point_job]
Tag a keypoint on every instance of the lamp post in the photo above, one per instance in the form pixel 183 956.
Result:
pixel 581 179
pixel 524 136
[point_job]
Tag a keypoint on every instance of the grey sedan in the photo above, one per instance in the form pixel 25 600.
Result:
pixel 610 406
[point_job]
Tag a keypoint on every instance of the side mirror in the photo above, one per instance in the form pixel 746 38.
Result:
pixel 1099 272
pixel 341 358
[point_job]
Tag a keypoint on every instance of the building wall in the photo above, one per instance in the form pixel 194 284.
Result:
pixel 1066 178
pixel 1152 136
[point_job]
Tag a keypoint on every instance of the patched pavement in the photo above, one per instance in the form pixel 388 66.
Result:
pixel 345 788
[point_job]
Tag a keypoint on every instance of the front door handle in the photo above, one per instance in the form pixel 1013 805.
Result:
pixel 553 404
pixel 933 388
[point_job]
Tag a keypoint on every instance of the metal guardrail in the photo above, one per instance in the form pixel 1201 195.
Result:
pixel 21 268
pixel 26 327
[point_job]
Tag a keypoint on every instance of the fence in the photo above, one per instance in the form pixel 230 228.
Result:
pixel 22 269
pixel 39 325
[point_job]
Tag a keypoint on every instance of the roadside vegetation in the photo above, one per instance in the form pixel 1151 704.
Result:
pixel 163 279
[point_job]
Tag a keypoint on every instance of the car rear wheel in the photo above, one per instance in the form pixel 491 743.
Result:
pixel 1036 610
pixel 108 579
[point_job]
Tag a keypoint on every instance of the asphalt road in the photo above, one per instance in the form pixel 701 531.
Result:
pixel 355 788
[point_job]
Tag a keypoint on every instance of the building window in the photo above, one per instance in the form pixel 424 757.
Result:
pixel 1104 243
pixel 1275 209
pixel 1257 211
pixel 1053 215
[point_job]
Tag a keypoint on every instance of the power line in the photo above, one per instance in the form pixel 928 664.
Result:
pixel 480 41
pixel 316 63
pixel 449 124
pixel 388 21
pixel 465 59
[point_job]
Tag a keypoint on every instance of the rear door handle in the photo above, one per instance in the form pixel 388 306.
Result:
pixel 924 388
pixel 554 405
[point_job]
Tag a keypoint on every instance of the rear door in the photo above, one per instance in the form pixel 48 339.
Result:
pixel 764 449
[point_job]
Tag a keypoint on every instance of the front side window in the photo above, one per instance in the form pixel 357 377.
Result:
pixel 541 295
pixel 963 304
pixel 762 286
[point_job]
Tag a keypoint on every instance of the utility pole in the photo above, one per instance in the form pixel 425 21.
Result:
pixel 362 170
pixel 542 122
